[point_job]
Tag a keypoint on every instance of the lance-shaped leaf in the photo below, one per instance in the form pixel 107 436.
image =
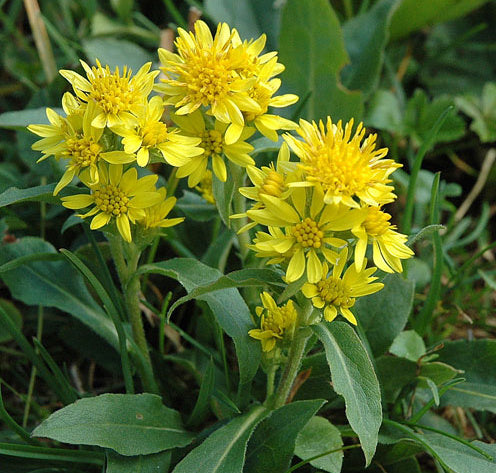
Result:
pixel 130 424
pixel 354 378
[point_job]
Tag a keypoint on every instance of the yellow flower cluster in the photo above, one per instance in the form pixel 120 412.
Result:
pixel 323 211
pixel 217 90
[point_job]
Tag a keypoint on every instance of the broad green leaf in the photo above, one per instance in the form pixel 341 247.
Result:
pixel 14 314
pixel 272 445
pixel 156 463
pixel 130 424
pixel 227 305
pixel 383 315
pixel 412 15
pixel 23 118
pixel 241 278
pixel 453 454
pixel 365 38
pixel 32 194
pixel 195 207
pixel 409 345
pixel 224 450
pixel 250 17
pixel 317 437
pixel 53 284
pixel 354 378
pixel 384 112
pixel 439 372
pixel 116 53
pixel 394 374
pixel 312 48
pixel 477 358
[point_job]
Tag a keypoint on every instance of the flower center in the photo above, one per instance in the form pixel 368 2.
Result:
pixel 335 292
pixel 82 151
pixel 154 133
pixel 110 199
pixel 273 184
pixel 308 234
pixel 208 78
pixel 377 222
pixel 205 187
pixel 212 142
pixel 112 92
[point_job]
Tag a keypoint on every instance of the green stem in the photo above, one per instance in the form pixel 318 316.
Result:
pixel 293 365
pixel 271 376
pixel 117 252
pixel 239 204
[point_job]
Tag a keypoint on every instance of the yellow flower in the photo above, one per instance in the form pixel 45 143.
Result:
pixel 215 147
pixel 119 98
pixel 204 73
pixel 205 187
pixel 152 133
pixel 337 294
pixel 389 246
pixel 117 196
pixel 309 227
pixel 78 142
pixel 346 168
pixel 276 322
pixel 155 216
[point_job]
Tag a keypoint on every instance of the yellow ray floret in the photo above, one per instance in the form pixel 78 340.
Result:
pixel 156 215
pixel 350 171
pixel 119 97
pixel 337 294
pixel 118 196
pixel 276 322
pixel 389 246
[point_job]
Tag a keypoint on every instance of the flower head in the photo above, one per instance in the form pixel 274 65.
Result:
pixel 213 142
pixel 119 97
pixel 389 246
pixel 349 171
pixel 275 322
pixel 117 196
pixel 205 187
pixel 155 216
pixel 337 294
pixel 152 133
pixel 309 227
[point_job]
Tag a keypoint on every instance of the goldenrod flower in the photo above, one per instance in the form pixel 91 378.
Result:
pixel 346 168
pixel 118 196
pixel 388 245
pixel 119 98
pixel 203 73
pixel 152 133
pixel 155 216
pixel 205 187
pixel 309 227
pixel 215 147
pixel 276 322
pixel 336 294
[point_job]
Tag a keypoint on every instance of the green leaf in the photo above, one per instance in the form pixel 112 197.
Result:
pixel 477 358
pixel 394 374
pixel 409 345
pixel 384 112
pixel 32 194
pixel 272 445
pixel 413 15
pixel 383 315
pixel 116 53
pixel 196 207
pixel 365 37
pixel 53 284
pixel 227 305
pixel 451 453
pixel 438 372
pixel 14 314
pixel 206 391
pixel 130 424
pixel 317 437
pixel 223 195
pixel 224 450
pixel 23 118
pixel 156 463
pixel 312 48
pixel 354 378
